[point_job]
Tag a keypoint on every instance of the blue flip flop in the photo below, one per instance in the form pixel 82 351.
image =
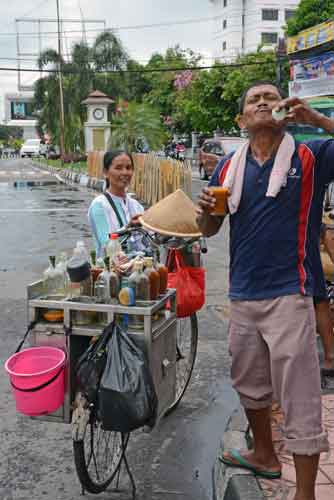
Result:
pixel 241 462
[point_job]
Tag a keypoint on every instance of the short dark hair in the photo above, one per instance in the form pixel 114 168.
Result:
pixel 109 157
pixel 258 83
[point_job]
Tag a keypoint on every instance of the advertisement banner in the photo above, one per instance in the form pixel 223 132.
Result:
pixel 312 88
pixel 313 67
pixel 312 37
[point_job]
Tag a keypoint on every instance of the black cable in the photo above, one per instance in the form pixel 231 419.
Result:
pixel 151 70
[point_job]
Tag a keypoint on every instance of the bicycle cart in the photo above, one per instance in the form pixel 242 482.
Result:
pixel 169 342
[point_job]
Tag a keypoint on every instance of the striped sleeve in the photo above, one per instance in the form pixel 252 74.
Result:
pixel 99 225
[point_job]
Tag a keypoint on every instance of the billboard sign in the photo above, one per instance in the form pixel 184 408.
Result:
pixel 21 110
pixel 320 66
pixel 310 38
pixel 312 88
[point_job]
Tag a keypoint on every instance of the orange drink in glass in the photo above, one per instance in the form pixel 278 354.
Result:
pixel 221 194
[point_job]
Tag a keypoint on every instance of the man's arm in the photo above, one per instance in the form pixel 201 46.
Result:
pixel 328 241
pixel 299 111
pixel 208 224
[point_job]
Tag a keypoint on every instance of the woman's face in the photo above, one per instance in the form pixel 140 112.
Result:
pixel 120 173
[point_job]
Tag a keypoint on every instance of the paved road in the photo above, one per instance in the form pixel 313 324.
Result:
pixel 175 460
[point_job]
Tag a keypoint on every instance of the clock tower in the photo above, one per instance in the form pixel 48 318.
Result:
pixel 97 126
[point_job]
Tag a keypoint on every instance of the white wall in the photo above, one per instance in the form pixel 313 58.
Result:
pixel 253 25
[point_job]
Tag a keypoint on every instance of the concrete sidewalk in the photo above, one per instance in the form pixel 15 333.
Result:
pixel 238 484
pixel 285 487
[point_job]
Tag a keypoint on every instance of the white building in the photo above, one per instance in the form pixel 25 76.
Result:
pixel 244 25
pixel 19 113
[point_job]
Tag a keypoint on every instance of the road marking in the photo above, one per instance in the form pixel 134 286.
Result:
pixel 30 210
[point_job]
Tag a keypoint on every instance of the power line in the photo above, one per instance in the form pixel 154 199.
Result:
pixel 151 70
pixel 122 28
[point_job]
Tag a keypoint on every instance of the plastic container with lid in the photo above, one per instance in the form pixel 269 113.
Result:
pixel 114 247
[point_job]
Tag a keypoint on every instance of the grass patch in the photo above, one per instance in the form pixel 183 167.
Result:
pixel 80 166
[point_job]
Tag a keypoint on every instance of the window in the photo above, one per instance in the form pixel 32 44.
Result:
pixel 217 150
pixel 224 24
pixel 224 45
pixel 269 15
pixel 269 38
pixel 225 3
pixel 207 147
pixel 289 13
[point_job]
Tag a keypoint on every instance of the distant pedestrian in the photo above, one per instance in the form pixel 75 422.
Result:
pixel 277 189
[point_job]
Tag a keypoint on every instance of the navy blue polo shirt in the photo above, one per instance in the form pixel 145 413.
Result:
pixel 274 242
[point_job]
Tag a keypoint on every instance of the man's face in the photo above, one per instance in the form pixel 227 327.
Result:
pixel 259 103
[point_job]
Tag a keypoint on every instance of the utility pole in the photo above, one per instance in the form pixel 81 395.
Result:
pixel 281 54
pixel 61 95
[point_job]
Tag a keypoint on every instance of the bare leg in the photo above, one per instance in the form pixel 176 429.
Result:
pixel 325 330
pixel 263 456
pixel 306 472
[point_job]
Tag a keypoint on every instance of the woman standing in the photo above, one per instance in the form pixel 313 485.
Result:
pixel 114 209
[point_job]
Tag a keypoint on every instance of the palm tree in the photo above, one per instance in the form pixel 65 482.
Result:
pixel 134 122
pixel 108 52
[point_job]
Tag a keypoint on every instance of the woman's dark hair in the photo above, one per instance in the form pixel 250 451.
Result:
pixel 258 83
pixel 109 157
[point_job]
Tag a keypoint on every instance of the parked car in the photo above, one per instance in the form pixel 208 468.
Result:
pixel 213 150
pixel 33 148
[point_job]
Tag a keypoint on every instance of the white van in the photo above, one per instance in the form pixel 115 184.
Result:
pixel 33 148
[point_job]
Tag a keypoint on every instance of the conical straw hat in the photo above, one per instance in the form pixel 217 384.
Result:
pixel 174 215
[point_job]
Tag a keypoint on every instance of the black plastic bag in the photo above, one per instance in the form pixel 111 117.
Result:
pixel 91 364
pixel 126 399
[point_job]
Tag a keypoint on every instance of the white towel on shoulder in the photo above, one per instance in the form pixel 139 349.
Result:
pixel 235 174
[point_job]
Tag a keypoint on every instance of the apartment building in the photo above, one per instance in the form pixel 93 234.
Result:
pixel 242 26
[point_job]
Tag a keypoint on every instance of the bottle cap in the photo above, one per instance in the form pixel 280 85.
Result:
pixel 113 236
pixel 138 265
pixel 148 261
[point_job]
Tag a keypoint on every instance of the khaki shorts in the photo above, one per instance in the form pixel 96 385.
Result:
pixel 274 355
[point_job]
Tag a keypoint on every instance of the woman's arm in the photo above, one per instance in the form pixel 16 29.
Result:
pixel 100 226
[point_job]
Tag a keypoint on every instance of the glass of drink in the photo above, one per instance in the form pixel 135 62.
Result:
pixel 221 194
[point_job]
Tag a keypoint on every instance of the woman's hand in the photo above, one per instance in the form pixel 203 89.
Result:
pixel 134 222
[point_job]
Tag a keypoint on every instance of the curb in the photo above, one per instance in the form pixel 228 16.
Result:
pixel 68 176
pixel 233 483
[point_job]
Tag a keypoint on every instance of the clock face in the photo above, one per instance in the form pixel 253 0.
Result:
pixel 98 113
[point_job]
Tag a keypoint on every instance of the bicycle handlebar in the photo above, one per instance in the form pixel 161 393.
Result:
pixel 158 240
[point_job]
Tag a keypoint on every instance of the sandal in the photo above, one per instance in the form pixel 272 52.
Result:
pixel 241 462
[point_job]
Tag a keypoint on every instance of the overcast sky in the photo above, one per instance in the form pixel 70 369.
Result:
pixel 140 43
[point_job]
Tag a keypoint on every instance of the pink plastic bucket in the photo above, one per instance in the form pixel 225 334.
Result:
pixel 37 378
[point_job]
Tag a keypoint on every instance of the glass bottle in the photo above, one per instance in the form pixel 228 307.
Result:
pixel 101 287
pixel 62 275
pixel 49 276
pixel 95 269
pixel 163 273
pixel 154 278
pixel 114 285
pixel 139 282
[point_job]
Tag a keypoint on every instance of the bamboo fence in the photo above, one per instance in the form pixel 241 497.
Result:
pixel 154 177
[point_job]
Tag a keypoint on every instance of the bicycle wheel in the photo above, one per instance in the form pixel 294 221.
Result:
pixel 98 456
pixel 187 338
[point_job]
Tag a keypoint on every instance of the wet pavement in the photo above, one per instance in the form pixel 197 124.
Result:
pixel 36 462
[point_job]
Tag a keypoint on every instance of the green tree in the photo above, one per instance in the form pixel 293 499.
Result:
pixel 163 91
pixel 81 74
pixel 134 122
pixel 308 14
pixel 211 100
